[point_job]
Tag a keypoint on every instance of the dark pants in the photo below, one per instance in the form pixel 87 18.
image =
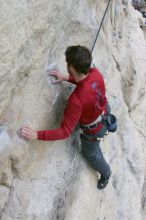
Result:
pixel 92 152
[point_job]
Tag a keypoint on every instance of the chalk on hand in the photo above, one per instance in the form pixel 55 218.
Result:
pixel 52 67
pixel 18 132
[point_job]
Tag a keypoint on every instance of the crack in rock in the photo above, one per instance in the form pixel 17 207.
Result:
pixel 6 203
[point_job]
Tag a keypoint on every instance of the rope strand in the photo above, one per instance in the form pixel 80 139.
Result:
pixel 100 26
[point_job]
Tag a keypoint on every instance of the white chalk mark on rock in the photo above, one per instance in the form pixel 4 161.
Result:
pixel 50 68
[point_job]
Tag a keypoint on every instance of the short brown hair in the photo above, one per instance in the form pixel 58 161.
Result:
pixel 79 57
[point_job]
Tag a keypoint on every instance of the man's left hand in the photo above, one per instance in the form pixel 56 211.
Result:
pixel 27 133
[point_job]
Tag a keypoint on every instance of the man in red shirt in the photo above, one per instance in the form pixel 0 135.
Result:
pixel 85 106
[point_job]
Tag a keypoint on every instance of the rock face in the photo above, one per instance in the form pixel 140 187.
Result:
pixel 50 180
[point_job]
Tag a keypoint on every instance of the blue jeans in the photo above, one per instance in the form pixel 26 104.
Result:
pixel 92 152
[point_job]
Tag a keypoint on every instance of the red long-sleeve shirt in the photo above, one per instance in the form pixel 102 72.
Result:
pixel 85 104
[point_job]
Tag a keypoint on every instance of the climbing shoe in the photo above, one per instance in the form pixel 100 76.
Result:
pixel 103 181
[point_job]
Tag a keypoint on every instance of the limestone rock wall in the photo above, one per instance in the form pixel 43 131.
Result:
pixel 50 180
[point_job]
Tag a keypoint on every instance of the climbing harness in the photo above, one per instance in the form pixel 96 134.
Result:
pixel 100 26
pixel 108 119
pixel 92 125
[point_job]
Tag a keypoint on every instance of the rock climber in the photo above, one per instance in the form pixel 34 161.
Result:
pixel 85 106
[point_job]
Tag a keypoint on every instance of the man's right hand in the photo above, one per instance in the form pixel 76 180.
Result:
pixel 59 76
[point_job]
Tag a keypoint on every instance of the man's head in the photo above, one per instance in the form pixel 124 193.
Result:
pixel 79 58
